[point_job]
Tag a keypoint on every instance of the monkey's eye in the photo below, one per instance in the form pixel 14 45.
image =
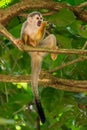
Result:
pixel 41 18
pixel 37 18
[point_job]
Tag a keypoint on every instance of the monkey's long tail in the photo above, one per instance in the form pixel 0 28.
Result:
pixel 36 67
pixel 40 110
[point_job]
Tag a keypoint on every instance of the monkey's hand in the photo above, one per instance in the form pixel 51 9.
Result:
pixel 33 43
pixel 54 55
pixel 43 25
pixel 41 30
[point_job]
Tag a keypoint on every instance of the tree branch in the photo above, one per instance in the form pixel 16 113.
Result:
pixel 7 14
pixel 82 5
pixel 80 59
pixel 49 80
pixel 5 33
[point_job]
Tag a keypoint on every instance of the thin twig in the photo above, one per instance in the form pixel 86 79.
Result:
pixel 69 63
pixel 85 45
pixel 81 58
pixel 82 5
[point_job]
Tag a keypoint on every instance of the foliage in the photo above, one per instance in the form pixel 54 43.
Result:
pixel 71 2
pixel 64 110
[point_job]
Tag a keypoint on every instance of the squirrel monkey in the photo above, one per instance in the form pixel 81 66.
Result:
pixel 33 29
pixel 32 33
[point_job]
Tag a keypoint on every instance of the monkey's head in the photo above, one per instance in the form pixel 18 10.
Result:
pixel 35 19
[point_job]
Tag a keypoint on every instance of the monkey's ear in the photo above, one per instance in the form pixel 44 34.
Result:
pixel 29 20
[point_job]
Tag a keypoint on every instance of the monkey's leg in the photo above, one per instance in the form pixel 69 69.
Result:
pixel 49 42
pixel 36 61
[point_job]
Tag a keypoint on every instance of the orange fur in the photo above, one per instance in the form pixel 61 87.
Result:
pixel 40 32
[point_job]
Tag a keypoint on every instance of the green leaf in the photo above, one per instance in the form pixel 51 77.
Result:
pixel 16 30
pixel 77 28
pixel 64 18
pixel 65 41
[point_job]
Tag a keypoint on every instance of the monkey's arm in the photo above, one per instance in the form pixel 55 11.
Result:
pixel 41 30
pixel 25 35
pixel 27 40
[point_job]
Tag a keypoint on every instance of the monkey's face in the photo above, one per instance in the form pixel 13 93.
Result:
pixel 38 20
pixel 35 20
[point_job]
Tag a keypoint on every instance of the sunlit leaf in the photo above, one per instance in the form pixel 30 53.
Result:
pixel 4 121
pixel 4 3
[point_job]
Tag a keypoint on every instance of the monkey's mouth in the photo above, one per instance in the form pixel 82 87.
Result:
pixel 39 23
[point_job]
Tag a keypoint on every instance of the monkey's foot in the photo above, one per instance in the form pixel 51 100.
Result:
pixel 33 44
pixel 54 55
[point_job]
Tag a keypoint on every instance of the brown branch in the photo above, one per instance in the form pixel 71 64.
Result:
pixel 82 5
pixel 4 31
pixel 59 51
pixel 7 14
pixel 47 79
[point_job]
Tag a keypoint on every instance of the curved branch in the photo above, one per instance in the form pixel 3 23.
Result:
pixel 7 14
